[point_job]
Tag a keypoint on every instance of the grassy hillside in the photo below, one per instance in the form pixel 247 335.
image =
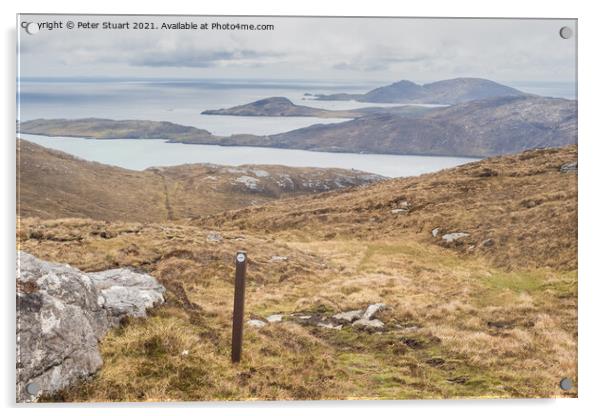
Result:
pixel 469 318
pixel 53 184
pixel 524 204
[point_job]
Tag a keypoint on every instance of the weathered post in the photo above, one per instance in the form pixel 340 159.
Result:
pixel 239 305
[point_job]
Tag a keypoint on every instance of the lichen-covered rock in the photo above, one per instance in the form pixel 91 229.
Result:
pixel 372 310
pixel 369 324
pixel 126 293
pixel 274 318
pixel 330 325
pixel 348 316
pixel 256 323
pixel 63 312
pixel 451 237
pixel 569 167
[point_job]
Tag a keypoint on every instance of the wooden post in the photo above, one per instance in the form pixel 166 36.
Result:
pixel 239 305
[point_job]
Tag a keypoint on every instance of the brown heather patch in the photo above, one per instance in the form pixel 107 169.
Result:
pixel 54 184
pixel 449 318
pixel 488 321
pixel 522 203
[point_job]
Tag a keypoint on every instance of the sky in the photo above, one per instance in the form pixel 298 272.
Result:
pixel 344 49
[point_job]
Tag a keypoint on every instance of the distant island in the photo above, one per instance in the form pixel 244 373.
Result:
pixel 450 91
pixel 480 128
pixel 283 107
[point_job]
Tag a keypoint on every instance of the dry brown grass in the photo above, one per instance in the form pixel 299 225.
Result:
pixel 522 202
pixel 486 321
pixel 52 184
pixel 457 327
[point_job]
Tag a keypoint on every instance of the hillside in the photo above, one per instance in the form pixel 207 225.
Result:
pixel 278 106
pixel 479 128
pixel 450 91
pixel 283 107
pixel 518 210
pixel 476 266
pixel 101 128
pixel 53 184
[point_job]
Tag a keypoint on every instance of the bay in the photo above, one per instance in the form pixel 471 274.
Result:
pixel 142 154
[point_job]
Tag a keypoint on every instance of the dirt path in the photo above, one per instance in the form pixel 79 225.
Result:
pixel 168 207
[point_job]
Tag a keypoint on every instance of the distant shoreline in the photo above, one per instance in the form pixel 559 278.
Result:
pixel 226 145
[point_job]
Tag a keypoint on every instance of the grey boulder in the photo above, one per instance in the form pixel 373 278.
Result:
pixel 348 316
pixel 569 167
pixel 369 324
pixel 123 292
pixel 372 310
pixel 451 237
pixel 63 312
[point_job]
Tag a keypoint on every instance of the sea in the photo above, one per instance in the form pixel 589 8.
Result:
pixel 181 101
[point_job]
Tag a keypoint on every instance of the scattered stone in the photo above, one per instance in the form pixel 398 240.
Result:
pixel 530 203
pixel 569 167
pixel 304 317
pixel 372 309
pixel 486 172
pixel 373 324
pixel 459 380
pixel 330 325
pixel 501 324
pixel 399 211
pixel 435 231
pixel 256 323
pixel 488 242
pixel 274 318
pixel 260 173
pixel 248 181
pixel 214 237
pixel 62 313
pixel 185 353
pixel 451 237
pixel 279 258
pixel 348 316
pixel 435 362
pixel 414 343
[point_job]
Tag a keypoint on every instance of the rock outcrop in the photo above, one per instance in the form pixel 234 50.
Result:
pixel 63 312
pixel 358 318
pixel 569 167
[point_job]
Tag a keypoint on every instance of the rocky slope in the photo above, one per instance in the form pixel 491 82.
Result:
pixel 53 184
pixel 62 313
pixel 478 128
pixel 450 91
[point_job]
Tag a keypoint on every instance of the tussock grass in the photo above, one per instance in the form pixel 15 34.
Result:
pixel 456 327
pixel 462 319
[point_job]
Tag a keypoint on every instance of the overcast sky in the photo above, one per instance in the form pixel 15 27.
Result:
pixel 354 49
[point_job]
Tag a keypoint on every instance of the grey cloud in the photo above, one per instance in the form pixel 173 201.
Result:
pixel 380 63
pixel 199 58
pixel 306 48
